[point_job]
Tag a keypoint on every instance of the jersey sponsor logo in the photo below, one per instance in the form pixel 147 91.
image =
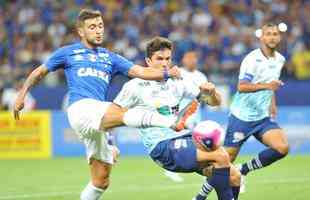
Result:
pixel 105 57
pixel 88 71
pixel 258 60
pixel 79 50
pixel 238 136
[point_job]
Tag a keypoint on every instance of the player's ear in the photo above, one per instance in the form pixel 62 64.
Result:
pixel 148 61
pixel 80 31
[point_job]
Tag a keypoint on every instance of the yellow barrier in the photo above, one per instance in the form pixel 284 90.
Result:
pixel 30 137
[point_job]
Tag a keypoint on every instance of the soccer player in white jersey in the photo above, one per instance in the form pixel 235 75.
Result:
pixel 191 74
pixel 253 108
pixel 176 151
pixel 88 70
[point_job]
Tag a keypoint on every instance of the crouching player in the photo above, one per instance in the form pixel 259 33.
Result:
pixel 176 151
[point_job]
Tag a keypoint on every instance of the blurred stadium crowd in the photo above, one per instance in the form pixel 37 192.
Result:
pixel 221 31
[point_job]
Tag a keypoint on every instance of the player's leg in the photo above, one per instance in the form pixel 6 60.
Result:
pixel 276 140
pixel 85 117
pixel 100 173
pixel 116 116
pixel 206 188
pixel 220 178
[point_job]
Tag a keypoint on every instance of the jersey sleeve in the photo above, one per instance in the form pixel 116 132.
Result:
pixel 247 70
pixel 56 61
pixel 127 97
pixel 121 64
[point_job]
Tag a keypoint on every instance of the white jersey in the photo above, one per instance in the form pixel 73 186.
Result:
pixel 163 97
pixel 196 77
pixel 256 68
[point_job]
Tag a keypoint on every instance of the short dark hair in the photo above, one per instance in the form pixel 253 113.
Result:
pixel 157 44
pixel 270 24
pixel 87 14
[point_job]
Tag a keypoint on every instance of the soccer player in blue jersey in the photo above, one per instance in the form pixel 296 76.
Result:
pixel 176 151
pixel 253 109
pixel 88 70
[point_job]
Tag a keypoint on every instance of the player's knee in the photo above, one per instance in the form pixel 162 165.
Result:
pixel 235 178
pixel 223 158
pixel 102 182
pixel 283 149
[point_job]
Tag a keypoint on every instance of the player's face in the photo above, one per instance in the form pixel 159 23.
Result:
pixel 271 37
pixel 92 31
pixel 160 59
pixel 190 60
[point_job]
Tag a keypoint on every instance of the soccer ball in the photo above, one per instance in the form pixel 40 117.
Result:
pixel 208 135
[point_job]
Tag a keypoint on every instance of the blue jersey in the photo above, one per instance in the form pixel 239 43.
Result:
pixel 88 71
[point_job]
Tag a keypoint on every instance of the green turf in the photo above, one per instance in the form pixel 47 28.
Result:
pixel 140 179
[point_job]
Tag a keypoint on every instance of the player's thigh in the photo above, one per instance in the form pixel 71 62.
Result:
pixel 113 116
pixel 233 152
pixel 100 172
pixel 276 139
pixel 218 158
pixel 237 133
pixel 85 116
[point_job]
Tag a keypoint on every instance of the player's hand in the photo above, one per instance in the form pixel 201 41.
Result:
pixel 174 72
pixel 18 106
pixel 273 111
pixel 274 85
pixel 115 153
pixel 208 87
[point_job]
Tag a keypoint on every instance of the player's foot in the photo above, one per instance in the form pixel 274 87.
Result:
pixel 184 114
pixel 242 183
pixel 174 176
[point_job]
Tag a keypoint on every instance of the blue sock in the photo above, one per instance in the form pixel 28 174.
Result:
pixel 220 182
pixel 235 191
pixel 265 158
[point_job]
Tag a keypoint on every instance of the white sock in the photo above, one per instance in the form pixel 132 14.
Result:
pixel 144 118
pixel 91 192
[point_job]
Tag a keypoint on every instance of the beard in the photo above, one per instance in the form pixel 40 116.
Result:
pixel 272 46
pixel 94 42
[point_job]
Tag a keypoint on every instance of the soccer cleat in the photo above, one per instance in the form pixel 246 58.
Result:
pixel 242 182
pixel 174 176
pixel 184 114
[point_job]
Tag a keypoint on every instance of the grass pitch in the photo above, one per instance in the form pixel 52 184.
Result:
pixel 138 178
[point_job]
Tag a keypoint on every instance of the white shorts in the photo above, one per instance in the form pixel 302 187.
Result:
pixel 85 117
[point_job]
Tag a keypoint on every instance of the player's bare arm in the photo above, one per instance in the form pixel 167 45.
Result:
pixel 151 73
pixel 273 107
pixel 209 94
pixel 245 86
pixel 33 79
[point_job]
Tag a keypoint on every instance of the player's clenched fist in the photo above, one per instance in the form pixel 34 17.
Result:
pixel 18 106
pixel 274 85
pixel 207 87
pixel 174 72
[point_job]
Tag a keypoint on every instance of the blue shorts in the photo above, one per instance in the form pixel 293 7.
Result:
pixel 238 131
pixel 177 155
